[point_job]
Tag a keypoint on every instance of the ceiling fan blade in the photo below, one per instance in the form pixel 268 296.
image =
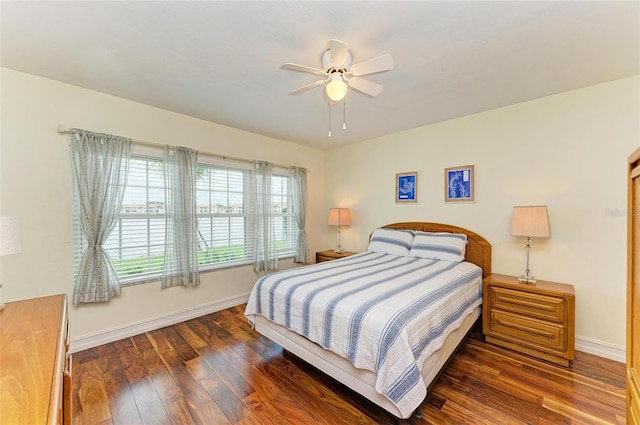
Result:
pixel 339 52
pixel 365 86
pixel 307 87
pixel 302 68
pixel 371 66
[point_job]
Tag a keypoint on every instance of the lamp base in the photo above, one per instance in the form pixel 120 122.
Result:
pixel 339 249
pixel 527 278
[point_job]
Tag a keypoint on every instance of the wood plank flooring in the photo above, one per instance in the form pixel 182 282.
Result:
pixel 216 370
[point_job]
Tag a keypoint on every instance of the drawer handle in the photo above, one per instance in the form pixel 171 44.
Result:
pixel 526 329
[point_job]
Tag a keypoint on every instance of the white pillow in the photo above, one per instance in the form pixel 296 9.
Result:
pixel 439 246
pixel 391 241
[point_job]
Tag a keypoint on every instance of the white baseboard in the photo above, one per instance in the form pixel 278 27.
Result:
pixel 601 349
pixel 584 344
pixel 137 328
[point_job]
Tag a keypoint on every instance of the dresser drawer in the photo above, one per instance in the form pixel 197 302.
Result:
pixel 523 330
pixel 545 307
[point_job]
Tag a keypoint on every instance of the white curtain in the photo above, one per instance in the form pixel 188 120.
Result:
pixel 265 254
pixel 298 185
pixel 100 164
pixel 181 242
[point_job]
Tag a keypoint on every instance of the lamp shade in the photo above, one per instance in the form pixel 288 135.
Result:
pixel 339 217
pixel 530 221
pixel 10 236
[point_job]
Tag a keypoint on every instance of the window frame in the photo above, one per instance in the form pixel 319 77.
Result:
pixel 157 154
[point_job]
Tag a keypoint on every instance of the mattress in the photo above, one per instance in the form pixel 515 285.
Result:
pixel 383 313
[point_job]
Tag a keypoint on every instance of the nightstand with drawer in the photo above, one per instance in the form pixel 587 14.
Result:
pixel 536 319
pixel 330 254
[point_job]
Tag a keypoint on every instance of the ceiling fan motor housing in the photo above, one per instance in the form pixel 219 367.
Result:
pixel 326 62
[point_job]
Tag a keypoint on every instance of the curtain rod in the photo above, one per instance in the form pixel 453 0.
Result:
pixel 62 130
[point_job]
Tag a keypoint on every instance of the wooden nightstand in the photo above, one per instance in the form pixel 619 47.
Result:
pixel 536 319
pixel 331 255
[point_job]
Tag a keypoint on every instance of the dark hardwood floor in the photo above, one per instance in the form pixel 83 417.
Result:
pixel 216 370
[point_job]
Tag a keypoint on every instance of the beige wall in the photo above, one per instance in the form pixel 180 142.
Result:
pixel 36 186
pixel 567 151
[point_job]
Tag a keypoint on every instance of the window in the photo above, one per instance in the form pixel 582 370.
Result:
pixel 285 225
pixel 225 227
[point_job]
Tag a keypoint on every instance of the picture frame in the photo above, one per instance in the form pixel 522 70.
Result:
pixel 407 187
pixel 460 184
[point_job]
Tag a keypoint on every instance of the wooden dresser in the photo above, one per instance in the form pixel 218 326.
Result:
pixel 536 319
pixel 633 291
pixel 35 380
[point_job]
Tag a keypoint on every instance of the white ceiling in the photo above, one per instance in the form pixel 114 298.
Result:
pixel 220 60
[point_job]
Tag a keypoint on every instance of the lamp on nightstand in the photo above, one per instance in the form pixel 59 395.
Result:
pixel 9 240
pixel 530 222
pixel 339 217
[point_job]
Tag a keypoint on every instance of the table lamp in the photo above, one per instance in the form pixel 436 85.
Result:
pixel 530 222
pixel 339 217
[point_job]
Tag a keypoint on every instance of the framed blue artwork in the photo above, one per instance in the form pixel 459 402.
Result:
pixel 460 184
pixel 407 187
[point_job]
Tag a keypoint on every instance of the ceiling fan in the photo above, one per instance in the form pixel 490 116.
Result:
pixel 338 72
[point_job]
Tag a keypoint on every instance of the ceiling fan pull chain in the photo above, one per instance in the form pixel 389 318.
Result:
pixel 344 113
pixel 329 120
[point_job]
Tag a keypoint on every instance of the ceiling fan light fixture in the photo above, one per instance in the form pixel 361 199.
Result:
pixel 336 88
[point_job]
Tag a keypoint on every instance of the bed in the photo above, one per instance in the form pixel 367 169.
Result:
pixel 422 307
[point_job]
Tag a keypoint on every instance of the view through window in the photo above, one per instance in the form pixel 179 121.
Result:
pixel 225 226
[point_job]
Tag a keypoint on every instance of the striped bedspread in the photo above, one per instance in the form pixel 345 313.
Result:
pixel 384 313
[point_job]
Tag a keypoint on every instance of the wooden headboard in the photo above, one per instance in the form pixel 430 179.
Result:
pixel 478 249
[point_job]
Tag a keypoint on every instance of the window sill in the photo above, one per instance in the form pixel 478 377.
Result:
pixel 206 269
